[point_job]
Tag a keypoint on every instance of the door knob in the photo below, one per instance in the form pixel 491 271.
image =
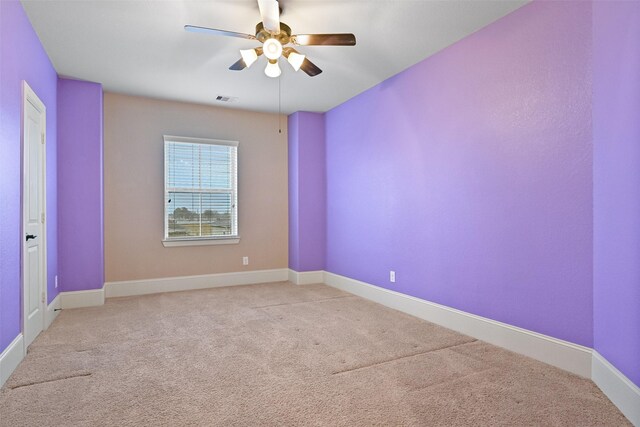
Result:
pixel 31 236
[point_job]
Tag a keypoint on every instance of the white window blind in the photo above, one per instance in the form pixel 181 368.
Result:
pixel 200 190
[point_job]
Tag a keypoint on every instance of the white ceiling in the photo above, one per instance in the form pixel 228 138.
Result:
pixel 139 47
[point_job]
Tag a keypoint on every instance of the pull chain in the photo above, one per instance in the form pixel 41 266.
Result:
pixel 279 105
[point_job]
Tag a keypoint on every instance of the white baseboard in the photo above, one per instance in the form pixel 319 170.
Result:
pixel 188 283
pixel 617 387
pixel 95 297
pixel 51 313
pixel 562 354
pixel 11 358
pixel 78 299
pixel 306 277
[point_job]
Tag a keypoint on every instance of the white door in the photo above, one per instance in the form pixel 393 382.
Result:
pixel 33 207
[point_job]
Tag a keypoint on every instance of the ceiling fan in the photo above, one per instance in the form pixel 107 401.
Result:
pixel 275 36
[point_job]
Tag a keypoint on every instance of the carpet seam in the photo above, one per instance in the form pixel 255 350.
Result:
pixel 302 302
pixel 453 380
pixel 84 374
pixel 402 357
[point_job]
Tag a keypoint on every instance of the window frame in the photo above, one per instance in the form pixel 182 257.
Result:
pixel 202 240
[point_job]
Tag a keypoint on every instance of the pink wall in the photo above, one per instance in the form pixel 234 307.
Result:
pixel 22 57
pixel 134 192
pixel 470 173
pixel 616 184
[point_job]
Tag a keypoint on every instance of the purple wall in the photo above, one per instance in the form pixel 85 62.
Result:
pixel 307 209
pixel 80 176
pixel 470 173
pixel 292 162
pixel 22 57
pixel 616 184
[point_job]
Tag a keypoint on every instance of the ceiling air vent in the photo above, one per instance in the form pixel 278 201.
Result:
pixel 223 98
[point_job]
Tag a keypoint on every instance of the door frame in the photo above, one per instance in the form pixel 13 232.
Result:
pixel 30 97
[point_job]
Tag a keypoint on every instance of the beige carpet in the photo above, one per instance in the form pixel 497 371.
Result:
pixel 279 354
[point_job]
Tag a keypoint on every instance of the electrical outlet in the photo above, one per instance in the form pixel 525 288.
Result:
pixel 55 281
pixel 392 276
pixel 245 260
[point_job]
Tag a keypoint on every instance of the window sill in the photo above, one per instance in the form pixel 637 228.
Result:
pixel 200 242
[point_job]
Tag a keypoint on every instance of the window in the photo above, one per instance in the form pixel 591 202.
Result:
pixel 200 191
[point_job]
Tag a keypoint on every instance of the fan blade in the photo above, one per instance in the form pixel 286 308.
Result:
pixel 270 13
pixel 310 68
pixel 238 65
pixel 345 39
pixel 195 29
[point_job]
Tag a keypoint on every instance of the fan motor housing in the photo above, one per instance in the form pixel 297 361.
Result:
pixel 283 37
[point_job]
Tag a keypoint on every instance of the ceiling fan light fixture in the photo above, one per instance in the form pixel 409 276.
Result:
pixel 272 69
pixel 272 48
pixel 296 60
pixel 274 36
pixel 249 56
